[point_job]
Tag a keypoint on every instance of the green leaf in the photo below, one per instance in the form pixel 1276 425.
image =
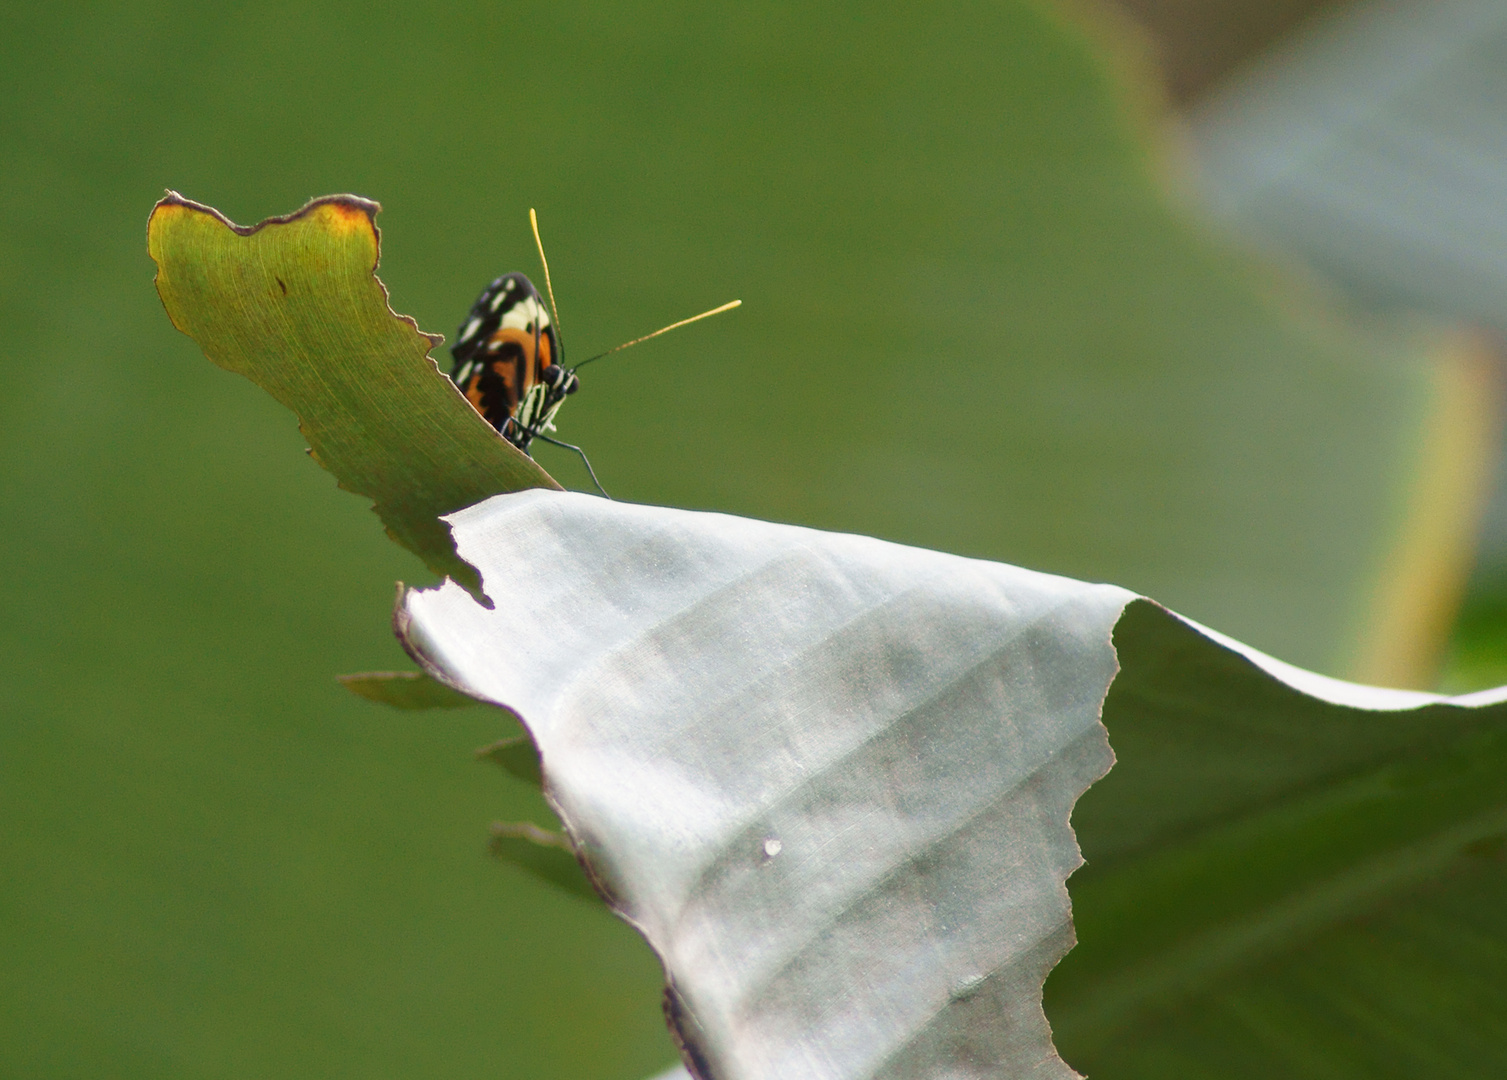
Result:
pixel 406 690
pixel 545 855
pixel 294 304
pixel 1285 884
pixel 518 755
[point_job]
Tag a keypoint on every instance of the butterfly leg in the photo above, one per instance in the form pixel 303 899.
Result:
pixel 516 433
pixel 584 460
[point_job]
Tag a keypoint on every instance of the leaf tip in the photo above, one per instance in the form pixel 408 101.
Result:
pixel 407 690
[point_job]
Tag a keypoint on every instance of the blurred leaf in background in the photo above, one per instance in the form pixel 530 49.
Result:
pixel 1368 144
pixel 972 321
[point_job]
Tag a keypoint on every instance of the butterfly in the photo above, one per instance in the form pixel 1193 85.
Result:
pixel 510 364
pixel 508 361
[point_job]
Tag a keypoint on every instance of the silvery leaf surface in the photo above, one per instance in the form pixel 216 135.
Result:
pixel 828 778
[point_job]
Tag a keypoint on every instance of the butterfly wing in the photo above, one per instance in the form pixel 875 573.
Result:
pixel 503 347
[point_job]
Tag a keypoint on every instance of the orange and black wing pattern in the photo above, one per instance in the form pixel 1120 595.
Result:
pixel 503 347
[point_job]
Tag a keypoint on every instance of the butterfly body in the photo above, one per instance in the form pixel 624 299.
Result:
pixel 509 363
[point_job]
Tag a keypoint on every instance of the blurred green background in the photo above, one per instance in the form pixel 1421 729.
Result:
pixel 973 320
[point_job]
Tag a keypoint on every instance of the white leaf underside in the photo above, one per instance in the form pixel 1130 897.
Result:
pixel 827 777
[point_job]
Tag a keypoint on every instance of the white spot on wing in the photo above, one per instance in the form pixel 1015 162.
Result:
pixel 524 315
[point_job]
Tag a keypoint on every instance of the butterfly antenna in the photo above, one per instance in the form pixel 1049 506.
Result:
pixel 662 330
pixel 533 219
